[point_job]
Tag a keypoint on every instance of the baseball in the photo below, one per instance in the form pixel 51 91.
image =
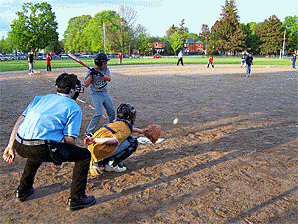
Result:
pixel 175 121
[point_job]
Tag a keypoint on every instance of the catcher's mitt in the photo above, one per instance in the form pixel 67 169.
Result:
pixel 152 132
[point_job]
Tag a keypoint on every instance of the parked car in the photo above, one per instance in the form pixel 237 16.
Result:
pixel 56 57
pixel 135 56
pixel 64 56
pixel 114 55
pixel 22 57
pixel 156 56
pixel 125 56
pixel 86 55
pixel 4 58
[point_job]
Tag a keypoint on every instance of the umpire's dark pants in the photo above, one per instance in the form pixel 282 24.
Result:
pixel 40 153
pixel 180 60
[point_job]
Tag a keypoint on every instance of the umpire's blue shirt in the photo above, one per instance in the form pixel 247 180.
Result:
pixel 51 117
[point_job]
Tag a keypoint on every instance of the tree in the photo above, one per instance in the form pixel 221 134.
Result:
pixel 73 35
pixel 271 35
pixel 7 45
pixel 171 30
pixel 35 27
pixel 176 41
pixel 204 36
pixel 252 41
pixel 122 28
pixel 227 34
pixel 143 44
pixel 291 26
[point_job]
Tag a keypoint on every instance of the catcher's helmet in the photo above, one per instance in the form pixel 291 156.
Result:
pixel 126 111
pixel 100 58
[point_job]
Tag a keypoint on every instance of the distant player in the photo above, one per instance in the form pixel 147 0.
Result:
pixel 180 57
pixel 294 60
pixel 210 62
pixel 249 62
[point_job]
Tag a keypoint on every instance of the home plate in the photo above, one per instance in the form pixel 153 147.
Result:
pixel 145 141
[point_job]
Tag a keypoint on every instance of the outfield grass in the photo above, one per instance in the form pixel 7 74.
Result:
pixel 67 63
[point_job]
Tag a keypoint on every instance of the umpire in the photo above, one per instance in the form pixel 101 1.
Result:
pixel 52 122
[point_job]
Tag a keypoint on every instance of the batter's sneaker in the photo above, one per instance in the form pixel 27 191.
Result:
pixel 118 168
pixel 22 195
pixel 79 203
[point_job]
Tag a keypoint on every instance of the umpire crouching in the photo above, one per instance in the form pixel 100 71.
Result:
pixel 46 132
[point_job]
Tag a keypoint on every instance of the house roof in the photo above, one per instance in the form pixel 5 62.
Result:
pixel 190 40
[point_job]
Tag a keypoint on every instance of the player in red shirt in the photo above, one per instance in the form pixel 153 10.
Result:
pixel 120 58
pixel 210 62
pixel 49 59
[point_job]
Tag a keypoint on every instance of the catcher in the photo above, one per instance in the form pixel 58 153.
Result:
pixel 112 144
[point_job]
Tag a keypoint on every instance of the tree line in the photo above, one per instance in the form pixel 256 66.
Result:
pixel 36 28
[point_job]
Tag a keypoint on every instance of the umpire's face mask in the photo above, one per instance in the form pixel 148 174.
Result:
pixel 78 89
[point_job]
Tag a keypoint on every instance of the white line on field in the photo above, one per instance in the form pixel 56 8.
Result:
pixel 81 100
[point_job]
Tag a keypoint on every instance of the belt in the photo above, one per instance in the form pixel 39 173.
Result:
pixel 30 142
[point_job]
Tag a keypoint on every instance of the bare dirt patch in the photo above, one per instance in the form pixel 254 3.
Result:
pixel 232 158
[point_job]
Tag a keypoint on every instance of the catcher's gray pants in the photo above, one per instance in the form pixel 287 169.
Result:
pixel 123 151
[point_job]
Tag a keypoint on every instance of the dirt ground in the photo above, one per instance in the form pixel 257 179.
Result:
pixel 232 157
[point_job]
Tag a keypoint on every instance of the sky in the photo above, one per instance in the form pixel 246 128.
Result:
pixel 156 15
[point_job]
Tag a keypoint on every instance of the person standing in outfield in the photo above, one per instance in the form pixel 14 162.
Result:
pixel 98 77
pixel 49 59
pixel 210 62
pixel 242 60
pixel 180 57
pixel 249 62
pixel 294 60
pixel 120 58
pixel 116 143
pixel 48 127
pixel 30 62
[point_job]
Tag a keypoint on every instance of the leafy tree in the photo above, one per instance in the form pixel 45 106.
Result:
pixel 35 27
pixel 143 44
pixel 252 41
pixel 171 30
pixel 291 26
pixel 55 47
pixel 73 35
pixel 271 34
pixel 6 45
pixel 176 41
pixel 122 29
pixel 227 33
pixel 204 36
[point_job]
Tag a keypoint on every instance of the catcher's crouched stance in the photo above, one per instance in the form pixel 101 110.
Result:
pixel 112 144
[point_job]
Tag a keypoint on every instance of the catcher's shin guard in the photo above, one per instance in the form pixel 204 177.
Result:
pixel 128 147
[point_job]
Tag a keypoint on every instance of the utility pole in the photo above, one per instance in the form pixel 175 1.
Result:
pixel 283 47
pixel 104 36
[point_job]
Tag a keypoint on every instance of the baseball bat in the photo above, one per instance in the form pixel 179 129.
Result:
pixel 77 60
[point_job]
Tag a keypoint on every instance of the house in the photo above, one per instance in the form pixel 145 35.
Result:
pixel 193 45
pixel 158 45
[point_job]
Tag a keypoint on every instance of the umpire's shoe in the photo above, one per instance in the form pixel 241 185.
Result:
pixel 22 195
pixel 83 202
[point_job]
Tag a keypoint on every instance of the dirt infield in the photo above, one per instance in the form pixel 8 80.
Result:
pixel 232 157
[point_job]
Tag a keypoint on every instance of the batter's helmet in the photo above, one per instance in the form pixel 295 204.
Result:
pixel 100 58
pixel 126 111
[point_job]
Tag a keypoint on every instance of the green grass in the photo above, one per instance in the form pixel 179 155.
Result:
pixel 67 63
